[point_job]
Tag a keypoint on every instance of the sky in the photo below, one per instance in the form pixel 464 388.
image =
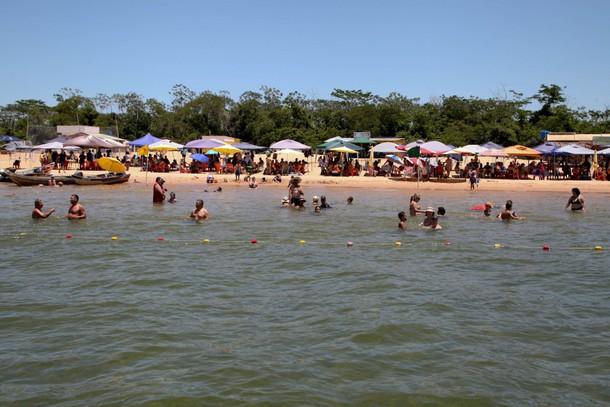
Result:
pixel 422 49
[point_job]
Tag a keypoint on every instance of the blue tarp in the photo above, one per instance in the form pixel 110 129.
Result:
pixel 144 140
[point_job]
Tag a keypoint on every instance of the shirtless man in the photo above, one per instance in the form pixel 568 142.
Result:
pixel 76 211
pixel 199 213
pixel 37 213
pixel 430 221
pixel 508 214
pixel 402 217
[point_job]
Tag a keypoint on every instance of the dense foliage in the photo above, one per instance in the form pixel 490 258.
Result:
pixel 267 116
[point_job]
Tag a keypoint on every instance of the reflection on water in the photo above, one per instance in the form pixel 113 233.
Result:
pixel 443 319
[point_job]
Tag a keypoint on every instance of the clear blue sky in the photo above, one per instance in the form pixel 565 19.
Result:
pixel 418 48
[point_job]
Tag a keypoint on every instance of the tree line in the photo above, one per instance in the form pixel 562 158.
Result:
pixel 266 116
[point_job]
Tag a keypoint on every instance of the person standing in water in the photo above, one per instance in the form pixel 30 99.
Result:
pixel 159 191
pixel 402 220
pixel 414 207
pixel 199 213
pixel 37 213
pixel 576 201
pixel 76 211
pixel 508 214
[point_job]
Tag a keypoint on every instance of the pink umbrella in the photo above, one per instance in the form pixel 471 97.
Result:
pixel 86 140
pixel 493 153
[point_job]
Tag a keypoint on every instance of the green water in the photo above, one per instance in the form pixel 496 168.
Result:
pixel 444 319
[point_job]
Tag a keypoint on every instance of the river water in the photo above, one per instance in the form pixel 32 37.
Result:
pixel 445 318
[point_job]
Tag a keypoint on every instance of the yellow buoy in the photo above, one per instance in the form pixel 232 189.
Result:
pixel 397 244
pixel 302 241
pixel 497 245
pixel 114 238
pixel 205 241
pixel 598 248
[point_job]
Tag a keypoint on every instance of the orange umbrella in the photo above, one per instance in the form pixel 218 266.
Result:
pixel 521 151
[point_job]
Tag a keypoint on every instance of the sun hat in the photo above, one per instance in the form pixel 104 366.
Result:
pixel 429 209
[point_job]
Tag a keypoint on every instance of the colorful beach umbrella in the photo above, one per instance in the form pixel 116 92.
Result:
pixel 289 144
pixel 165 145
pixel 202 158
pixel 493 152
pixel 111 164
pixel 212 152
pixel 574 149
pixel 204 144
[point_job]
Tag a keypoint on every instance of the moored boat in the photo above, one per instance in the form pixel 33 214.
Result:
pixel 101 179
pixel 33 180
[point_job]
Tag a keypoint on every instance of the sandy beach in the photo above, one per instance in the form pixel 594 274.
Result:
pixel 365 182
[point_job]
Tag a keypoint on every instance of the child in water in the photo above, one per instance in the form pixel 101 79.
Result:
pixel 172 197
pixel 402 217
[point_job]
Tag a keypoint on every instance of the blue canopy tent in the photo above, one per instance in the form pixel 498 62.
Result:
pixel 144 140
pixel 546 148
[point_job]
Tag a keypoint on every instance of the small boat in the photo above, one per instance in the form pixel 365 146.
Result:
pixel 101 179
pixel 33 180
pixel 4 174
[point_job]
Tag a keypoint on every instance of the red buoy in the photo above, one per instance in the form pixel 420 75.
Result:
pixel 546 247
pixel 253 241
pixel 68 236
pixel 160 238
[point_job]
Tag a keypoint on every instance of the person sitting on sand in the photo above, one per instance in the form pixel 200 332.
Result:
pixel 508 214
pixel 37 213
pixel 172 197
pixel 430 221
pixel 76 211
pixel 323 203
pixel 414 207
pixel 277 179
pixel 199 213
pixel 350 200
pixel 576 201
pixel 402 217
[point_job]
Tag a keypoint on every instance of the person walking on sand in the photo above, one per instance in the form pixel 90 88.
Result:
pixel 37 213
pixel 159 191
pixel 199 213
pixel 76 211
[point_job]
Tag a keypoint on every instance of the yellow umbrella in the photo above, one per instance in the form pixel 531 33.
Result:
pixel 344 149
pixel 164 145
pixel 521 151
pixel 111 164
pixel 227 149
pixel 143 151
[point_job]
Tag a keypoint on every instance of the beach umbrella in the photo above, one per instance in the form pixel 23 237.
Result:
pixel 144 140
pixel 248 146
pixel 289 144
pixel 492 152
pixel 344 149
pixel 396 159
pixel 55 145
pixel 143 151
pixel 212 152
pixel 111 164
pixel 574 149
pixel 202 158
pixel 165 145
pixel 546 148
pixel 470 149
pixel 521 151
pixel 289 151
pixel 88 140
pixel 410 145
pixel 492 146
pixel 386 148
pixel 433 148
pixel 604 152
pixel 203 144
pixel 227 149
pixel 8 139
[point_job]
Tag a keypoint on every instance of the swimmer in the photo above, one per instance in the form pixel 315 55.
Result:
pixel 441 211
pixel 430 221
pixel 508 214
pixel 159 191
pixel 76 211
pixel 315 201
pixel 37 213
pixel 172 197
pixel 576 201
pixel 414 207
pixel 350 200
pixel 252 183
pixel 487 210
pixel 285 202
pixel 317 209
pixel 210 179
pixel 52 181
pixel 219 189
pixel 323 203
pixel 402 217
pixel 199 213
